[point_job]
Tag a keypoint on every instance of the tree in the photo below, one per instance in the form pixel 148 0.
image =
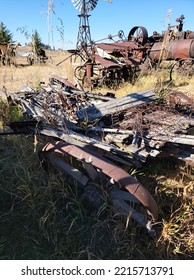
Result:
pixel 36 43
pixel 5 34
pixel 46 47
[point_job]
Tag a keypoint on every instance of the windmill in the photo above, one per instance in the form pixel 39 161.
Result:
pixel 84 41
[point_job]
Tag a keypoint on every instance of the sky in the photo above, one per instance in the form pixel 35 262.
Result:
pixel 106 19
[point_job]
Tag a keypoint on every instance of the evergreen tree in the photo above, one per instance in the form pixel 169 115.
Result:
pixel 5 34
pixel 36 42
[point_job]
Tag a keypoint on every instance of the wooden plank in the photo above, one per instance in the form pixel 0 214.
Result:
pixel 185 140
pixel 74 90
pixel 116 138
pixel 116 105
pixel 58 162
pixel 81 140
pixel 111 130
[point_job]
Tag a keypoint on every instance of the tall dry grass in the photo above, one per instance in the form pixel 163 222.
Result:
pixel 13 77
pixel 42 216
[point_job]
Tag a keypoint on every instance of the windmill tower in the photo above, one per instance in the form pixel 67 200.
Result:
pixel 84 41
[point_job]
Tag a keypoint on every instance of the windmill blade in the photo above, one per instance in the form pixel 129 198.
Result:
pixel 77 4
pixel 87 5
pixel 91 4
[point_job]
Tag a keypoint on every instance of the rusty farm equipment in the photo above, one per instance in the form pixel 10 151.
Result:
pixel 95 138
pixel 113 63
pixel 7 53
pixel 176 46
pixel 121 61
pixel 37 57
pixel 108 64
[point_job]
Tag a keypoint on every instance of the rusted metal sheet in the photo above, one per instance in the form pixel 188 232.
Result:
pixel 107 167
pixel 117 46
pixel 178 98
pixel 60 80
pixel 105 63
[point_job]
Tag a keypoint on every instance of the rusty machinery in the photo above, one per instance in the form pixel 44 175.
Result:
pixel 8 52
pixel 102 65
pixel 121 61
pixel 175 45
pixel 115 62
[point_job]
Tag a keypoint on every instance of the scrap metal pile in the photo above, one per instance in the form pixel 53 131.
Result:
pixel 105 134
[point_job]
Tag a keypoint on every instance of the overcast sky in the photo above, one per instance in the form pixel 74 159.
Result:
pixel 106 18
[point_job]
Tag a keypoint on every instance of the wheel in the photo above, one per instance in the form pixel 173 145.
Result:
pixel 80 73
pixel 139 35
pixel 121 35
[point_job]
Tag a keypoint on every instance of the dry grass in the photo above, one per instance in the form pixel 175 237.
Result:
pixel 14 77
pixel 159 80
pixel 42 217
pixel 174 182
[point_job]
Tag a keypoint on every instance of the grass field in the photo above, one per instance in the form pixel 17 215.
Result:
pixel 41 215
pixel 13 78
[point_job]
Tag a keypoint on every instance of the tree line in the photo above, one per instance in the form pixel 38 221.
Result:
pixel 35 40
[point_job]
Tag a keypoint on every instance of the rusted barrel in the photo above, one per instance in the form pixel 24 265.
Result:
pixel 173 50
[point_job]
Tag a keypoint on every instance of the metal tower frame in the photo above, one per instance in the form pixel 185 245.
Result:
pixel 84 36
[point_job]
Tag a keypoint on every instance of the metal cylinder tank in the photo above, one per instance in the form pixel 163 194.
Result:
pixel 173 50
